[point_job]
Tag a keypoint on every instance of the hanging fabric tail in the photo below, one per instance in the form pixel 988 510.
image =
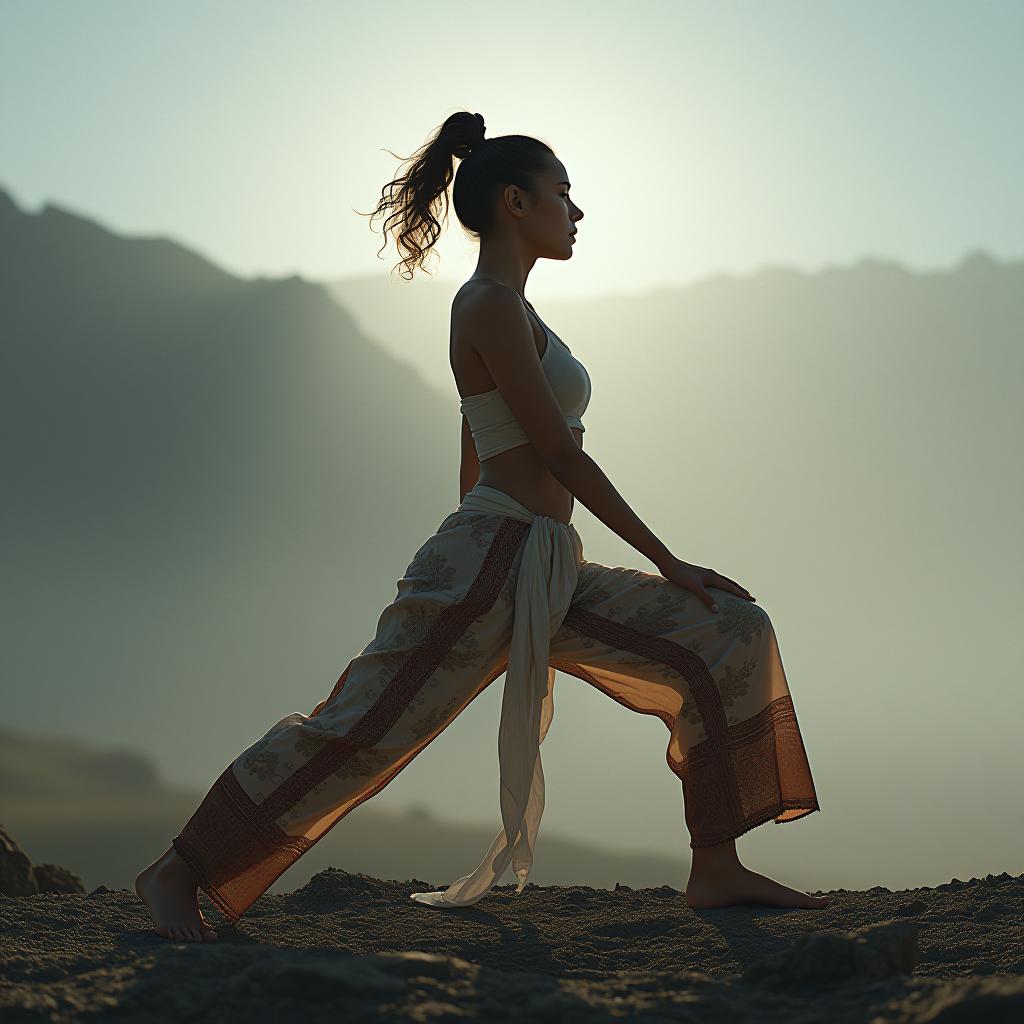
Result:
pixel 548 576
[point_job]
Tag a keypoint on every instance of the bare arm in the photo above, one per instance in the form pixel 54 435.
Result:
pixel 469 469
pixel 503 337
pixel 585 480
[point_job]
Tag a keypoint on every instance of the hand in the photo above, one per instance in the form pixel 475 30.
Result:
pixel 699 577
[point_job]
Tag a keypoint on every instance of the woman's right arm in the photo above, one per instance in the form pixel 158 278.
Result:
pixel 503 337
pixel 500 330
pixel 579 474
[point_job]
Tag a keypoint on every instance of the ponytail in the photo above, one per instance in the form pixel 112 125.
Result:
pixel 486 166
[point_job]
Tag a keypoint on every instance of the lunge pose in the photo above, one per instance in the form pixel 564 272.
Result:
pixel 502 587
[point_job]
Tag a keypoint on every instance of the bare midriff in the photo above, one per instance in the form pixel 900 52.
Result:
pixel 520 471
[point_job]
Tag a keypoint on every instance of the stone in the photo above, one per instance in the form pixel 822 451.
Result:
pixel 993 1000
pixel 54 878
pixel 16 876
pixel 416 964
pixel 911 907
pixel 873 951
pixel 329 978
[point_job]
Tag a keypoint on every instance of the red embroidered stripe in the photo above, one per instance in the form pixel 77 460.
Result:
pixel 689 665
pixel 410 678
pixel 737 777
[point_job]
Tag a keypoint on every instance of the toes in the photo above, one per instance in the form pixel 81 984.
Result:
pixel 188 932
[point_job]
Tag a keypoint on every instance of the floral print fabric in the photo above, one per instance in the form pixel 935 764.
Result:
pixel 715 680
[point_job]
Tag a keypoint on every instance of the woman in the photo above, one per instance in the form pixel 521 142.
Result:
pixel 502 587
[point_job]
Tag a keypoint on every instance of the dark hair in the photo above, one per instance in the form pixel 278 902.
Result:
pixel 486 167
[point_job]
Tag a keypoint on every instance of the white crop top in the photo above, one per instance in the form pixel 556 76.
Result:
pixel 496 430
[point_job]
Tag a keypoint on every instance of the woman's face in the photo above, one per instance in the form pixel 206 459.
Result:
pixel 556 215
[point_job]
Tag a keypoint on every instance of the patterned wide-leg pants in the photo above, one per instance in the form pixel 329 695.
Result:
pixel 715 679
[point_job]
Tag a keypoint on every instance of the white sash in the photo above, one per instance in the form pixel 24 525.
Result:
pixel 548 575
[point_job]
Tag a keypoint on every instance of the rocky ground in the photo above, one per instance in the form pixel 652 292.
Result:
pixel 356 948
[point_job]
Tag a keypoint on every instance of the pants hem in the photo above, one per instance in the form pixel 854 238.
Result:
pixel 807 806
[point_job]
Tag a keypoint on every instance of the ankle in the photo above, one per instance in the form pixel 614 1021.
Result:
pixel 172 865
pixel 715 860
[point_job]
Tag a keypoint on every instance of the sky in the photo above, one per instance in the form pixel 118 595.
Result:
pixel 700 137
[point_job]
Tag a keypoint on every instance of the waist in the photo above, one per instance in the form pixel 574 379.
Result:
pixel 485 498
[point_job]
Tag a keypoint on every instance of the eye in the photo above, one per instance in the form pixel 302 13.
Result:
pixel 564 195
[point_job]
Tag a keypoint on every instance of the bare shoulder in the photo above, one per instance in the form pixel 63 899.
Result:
pixel 481 304
pixel 483 315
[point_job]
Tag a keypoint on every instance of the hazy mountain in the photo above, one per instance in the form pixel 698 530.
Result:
pixel 194 465
pixel 146 385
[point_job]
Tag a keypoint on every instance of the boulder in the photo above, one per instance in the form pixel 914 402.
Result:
pixel 16 876
pixel 873 951
pixel 54 878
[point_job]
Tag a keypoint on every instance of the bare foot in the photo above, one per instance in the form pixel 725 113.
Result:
pixel 741 885
pixel 169 890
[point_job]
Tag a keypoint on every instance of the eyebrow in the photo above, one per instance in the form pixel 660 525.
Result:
pixel 563 183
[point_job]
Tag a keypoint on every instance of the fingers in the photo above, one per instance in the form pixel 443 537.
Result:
pixel 730 588
pixel 698 578
pixel 731 585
